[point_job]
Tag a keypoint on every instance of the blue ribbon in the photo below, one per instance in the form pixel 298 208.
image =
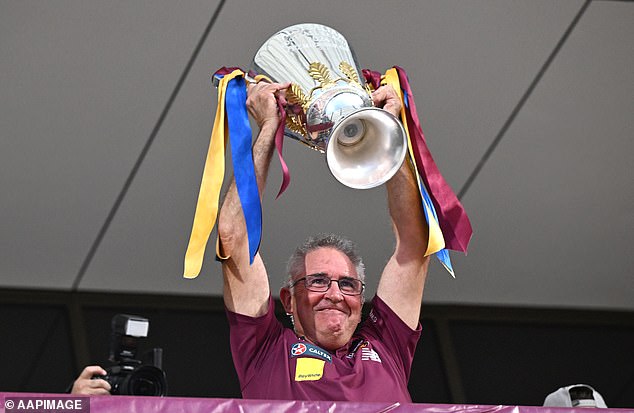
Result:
pixel 443 254
pixel 242 158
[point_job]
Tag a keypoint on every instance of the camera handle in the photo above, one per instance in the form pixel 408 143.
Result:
pixel 157 357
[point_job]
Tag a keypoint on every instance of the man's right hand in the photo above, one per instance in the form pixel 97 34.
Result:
pixel 262 102
pixel 85 384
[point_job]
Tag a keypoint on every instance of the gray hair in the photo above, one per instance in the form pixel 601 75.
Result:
pixel 296 263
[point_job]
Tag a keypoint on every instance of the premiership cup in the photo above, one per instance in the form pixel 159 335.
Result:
pixel 329 104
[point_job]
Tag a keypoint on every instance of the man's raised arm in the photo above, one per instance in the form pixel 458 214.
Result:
pixel 403 278
pixel 246 287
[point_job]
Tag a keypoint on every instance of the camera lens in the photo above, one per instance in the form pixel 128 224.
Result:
pixel 139 381
pixel 145 381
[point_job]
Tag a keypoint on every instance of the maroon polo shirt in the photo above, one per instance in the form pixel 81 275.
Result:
pixel 273 363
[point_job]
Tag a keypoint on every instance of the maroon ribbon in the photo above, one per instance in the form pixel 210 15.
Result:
pixel 279 145
pixel 224 71
pixel 452 218
pixel 372 77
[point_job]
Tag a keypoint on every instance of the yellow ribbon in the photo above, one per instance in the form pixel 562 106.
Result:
pixel 436 241
pixel 209 195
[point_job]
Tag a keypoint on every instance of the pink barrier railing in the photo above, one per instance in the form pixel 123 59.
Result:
pixel 129 404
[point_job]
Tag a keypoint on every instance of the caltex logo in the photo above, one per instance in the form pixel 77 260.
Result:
pixel 298 349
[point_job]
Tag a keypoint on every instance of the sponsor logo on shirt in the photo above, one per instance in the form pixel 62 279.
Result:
pixel 368 354
pixel 298 349
pixel 310 350
pixel 309 369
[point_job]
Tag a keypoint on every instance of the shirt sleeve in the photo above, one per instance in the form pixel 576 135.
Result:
pixel 250 339
pixel 398 339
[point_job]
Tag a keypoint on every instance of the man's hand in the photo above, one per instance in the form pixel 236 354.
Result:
pixel 86 385
pixel 262 102
pixel 385 97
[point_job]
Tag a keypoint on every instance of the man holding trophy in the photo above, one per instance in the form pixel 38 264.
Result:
pixel 327 312
pixel 305 82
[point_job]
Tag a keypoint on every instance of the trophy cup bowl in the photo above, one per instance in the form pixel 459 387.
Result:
pixel 330 108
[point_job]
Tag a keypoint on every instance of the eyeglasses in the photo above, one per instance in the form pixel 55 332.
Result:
pixel 320 283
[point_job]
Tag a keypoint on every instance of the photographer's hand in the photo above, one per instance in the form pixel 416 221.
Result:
pixel 85 384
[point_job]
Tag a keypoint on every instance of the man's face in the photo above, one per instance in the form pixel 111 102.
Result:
pixel 329 318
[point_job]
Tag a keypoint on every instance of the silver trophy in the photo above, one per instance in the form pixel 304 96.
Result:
pixel 330 108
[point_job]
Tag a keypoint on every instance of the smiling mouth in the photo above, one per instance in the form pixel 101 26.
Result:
pixel 330 309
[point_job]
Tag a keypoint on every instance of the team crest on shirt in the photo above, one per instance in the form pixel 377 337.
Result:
pixel 310 350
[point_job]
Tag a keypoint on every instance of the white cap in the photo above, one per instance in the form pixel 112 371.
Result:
pixel 561 398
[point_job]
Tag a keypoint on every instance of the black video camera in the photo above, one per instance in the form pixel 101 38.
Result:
pixel 131 376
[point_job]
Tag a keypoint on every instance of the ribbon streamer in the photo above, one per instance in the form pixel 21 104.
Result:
pixel 453 220
pixel 279 145
pixel 436 241
pixel 209 193
pixel 231 112
pixel 240 137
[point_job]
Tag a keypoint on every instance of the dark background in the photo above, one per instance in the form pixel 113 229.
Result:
pixel 467 354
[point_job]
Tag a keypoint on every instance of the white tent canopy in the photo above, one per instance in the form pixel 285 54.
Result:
pixel 106 110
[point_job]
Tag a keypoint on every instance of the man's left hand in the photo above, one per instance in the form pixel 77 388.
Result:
pixel 385 97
